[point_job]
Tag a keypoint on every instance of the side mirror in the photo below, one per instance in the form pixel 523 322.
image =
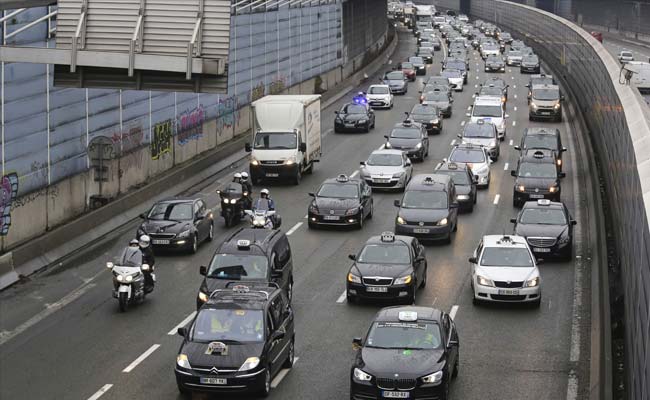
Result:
pixel 574 222
pixel 203 270
pixel 528 85
pixel 277 335
pixel 507 116
pixel 352 257
pixel 143 215
pixel 453 343
pixel 303 147
pixel 564 149
pixel 336 112
pixel 357 343
pixel 562 174
pixel 459 135
pixel 386 136
pixel 513 173
pixel 513 220
pixel 472 260
pixel 517 147
pixel 311 194
pixel 397 203
pixel 182 331
pixel 408 162
pixel 248 148
pixel 362 163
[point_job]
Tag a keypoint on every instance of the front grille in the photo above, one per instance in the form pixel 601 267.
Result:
pixel 271 162
pixel 378 281
pixel 508 284
pixel 399 384
pixel 504 297
pixel 162 235
pixel 208 370
pixel 332 212
pixel 541 241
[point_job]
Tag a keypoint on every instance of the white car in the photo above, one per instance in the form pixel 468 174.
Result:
pixel 625 56
pixel 379 96
pixel 387 169
pixel 490 109
pixel 504 269
pixel 477 159
pixel 455 77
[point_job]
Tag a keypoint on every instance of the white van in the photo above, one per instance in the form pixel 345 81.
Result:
pixel 490 109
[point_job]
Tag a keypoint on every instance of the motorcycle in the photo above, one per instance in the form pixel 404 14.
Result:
pixel 263 219
pixel 129 278
pixel 233 201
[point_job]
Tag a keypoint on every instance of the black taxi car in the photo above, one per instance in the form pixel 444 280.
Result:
pixel 429 209
pixel 429 116
pixel 537 177
pixel 543 138
pixel 249 255
pixel 547 227
pixel 408 352
pixel 388 267
pixel 340 201
pixel 238 341
pixel 464 181
pixel 354 117
pixel 410 137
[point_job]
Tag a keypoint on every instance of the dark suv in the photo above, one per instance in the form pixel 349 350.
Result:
pixel 543 138
pixel 536 178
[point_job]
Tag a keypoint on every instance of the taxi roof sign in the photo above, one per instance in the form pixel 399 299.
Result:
pixel 241 288
pixel 342 178
pixel 243 244
pixel 543 202
pixel 428 180
pixel 407 316
pixel 387 236
pixel 452 165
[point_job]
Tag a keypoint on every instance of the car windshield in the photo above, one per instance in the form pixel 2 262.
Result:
pixel 514 53
pixel 458 177
pixel 130 257
pixel 467 156
pixel 490 46
pixel 537 170
pixel 427 199
pixel 436 96
pixel 451 73
pixel 493 111
pixel 542 216
pixel 171 212
pixel 506 257
pixel 405 133
pixel 407 65
pixel 379 90
pixel 531 59
pixel 424 50
pixel 546 94
pixel 384 159
pixel 491 91
pixel 354 109
pixel 238 267
pixel 339 191
pixel 459 65
pixel 540 142
pixel 395 76
pixel 385 254
pixel 269 141
pixel 494 58
pixel 424 111
pixel 541 81
pixel 404 335
pixel 479 131
pixel 234 325
pixel 416 60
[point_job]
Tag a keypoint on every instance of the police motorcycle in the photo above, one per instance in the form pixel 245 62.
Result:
pixel 263 218
pixel 233 203
pixel 360 98
pixel 128 277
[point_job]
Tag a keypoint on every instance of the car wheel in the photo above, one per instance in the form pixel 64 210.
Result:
pixel 195 244
pixel 367 128
pixel 515 203
pixel 360 223
pixel 298 177
pixel 337 130
pixel 184 392
pixel 413 297
pixel 456 226
pixel 266 389
pixel 475 300
pixel 445 391
pixel 210 232
pixel 423 284
pixel 448 239
pixel 311 225
pixel 351 299
pixel 290 357
pixel 454 373
pixel 290 289
pixel 372 209
pixel 391 105
pixel 537 303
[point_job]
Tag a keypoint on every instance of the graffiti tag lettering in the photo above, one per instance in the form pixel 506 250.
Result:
pixel 161 139
pixel 190 125
pixel 131 139
pixel 8 192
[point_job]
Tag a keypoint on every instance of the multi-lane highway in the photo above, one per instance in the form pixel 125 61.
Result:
pixel 64 338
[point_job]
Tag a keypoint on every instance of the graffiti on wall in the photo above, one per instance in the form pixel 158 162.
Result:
pixel 8 193
pixel 227 113
pixel 189 125
pixel 161 138
pixel 130 139
pixel 258 91
pixel 278 85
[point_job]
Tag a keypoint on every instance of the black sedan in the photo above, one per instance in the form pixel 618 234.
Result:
pixel 547 227
pixel 179 223
pixel 495 63
pixel 388 267
pixel 464 182
pixel 543 138
pixel 537 177
pixel 408 353
pixel 410 137
pixel 429 116
pixel 341 201
pixel 354 117
pixel 530 64
pixel 426 53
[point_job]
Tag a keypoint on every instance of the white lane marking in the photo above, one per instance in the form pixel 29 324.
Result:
pixel 505 166
pixel 140 359
pixel 515 96
pixel 454 310
pixel 474 95
pixel 496 199
pixel 306 216
pixel 477 78
pixel 514 123
pixel 476 85
pixel 50 309
pixel 453 142
pixel 469 108
pixel 514 86
pixel 182 323
pixel 280 376
pixel 434 301
pixel 390 62
pixel 462 123
pixel 380 147
pixel 355 173
pixel 509 71
pixel 511 142
pixel 341 298
pixel 512 77
pixel 295 228
pixel 515 108
pixel 101 392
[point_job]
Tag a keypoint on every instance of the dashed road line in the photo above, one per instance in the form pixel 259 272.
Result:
pixel 514 123
pixel 355 173
pixel 380 147
pixel 514 86
pixel 476 85
pixel 505 166
pixel 496 199
pixel 511 142
pixel 295 228
pixel 515 96
pixel 515 108
pixel 462 123
pixel 101 392
pixel 182 323
pixel 453 311
pixel 140 359
pixel 473 95
pixel 280 376
pixel 469 108
pixel 453 142
pixel 390 62
pixel 342 297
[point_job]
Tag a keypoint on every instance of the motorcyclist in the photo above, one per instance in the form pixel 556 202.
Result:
pixel 237 177
pixel 265 202
pixel 360 98
pixel 248 188
pixel 147 258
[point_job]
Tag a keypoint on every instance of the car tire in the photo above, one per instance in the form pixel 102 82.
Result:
pixel 413 298
pixel 537 303
pixel 298 177
pixel 423 284
pixel 266 389
pixel 372 209
pixel 290 289
pixel 195 244
pixel 311 225
pixel 455 227
pixel 448 239
pixel 568 255
pixel 360 223
pixel 351 299
pixel 367 128
pixel 454 373
pixel 337 130
pixel 391 106
pixel 288 363
pixel 210 233
pixel 184 392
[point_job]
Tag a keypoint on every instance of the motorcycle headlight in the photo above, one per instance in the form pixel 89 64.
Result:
pixel 119 278
pixel 532 282
pixel 183 362
pixel 442 222
pixel 129 278
pixel 361 376
pixel 203 296
pixel 233 201
pixel 254 162
pixel 401 221
pixel 484 281
pixel 418 146
pixel 462 197
pixel 184 234
pixel 352 211
pixel 250 363
pixel 521 188
pixel 436 377
pixel 353 278
pixel 404 280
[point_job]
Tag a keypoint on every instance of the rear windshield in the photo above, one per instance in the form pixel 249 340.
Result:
pixel 467 156
pixel 405 133
pixel 479 131
pixel 487 111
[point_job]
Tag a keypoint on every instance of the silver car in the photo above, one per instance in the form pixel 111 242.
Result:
pixel 625 56
pixel 387 169
pixel 514 57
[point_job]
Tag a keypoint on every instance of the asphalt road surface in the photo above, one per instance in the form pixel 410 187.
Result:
pixel 62 336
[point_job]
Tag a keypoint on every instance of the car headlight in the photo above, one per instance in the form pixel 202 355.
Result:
pixel 532 282
pixel 353 278
pixel 442 222
pixel 553 189
pixel 559 162
pixel 129 278
pixel 493 143
pixel 462 197
pixel 401 221
pixel 521 188
pixel 233 201
pixel 436 377
pixel 418 146
pixel 484 281
pixel 337 119
pixel 183 362
pixel 361 376
pixel 250 363
pixel 226 201
pixel 404 280
pixel 313 209
pixel 254 162
pixel 557 106
pixel 564 239
pixel 533 106
pixel 352 211
pixel 184 234
pixel 119 278
pixel 203 296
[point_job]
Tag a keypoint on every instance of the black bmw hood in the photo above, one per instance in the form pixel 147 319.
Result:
pixel 541 183
pixel 383 363
pixel 326 203
pixel 352 117
pixel 423 215
pixel 527 230
pixel 387 270
pixel 234 358
pixel 403 143
pixel 154 226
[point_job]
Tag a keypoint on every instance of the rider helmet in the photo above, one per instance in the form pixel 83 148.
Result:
pixel 134 242
pixel 144 241
pixel 244 176
pixel 264 192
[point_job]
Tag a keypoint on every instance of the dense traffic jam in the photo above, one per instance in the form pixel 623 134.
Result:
pixel 242 334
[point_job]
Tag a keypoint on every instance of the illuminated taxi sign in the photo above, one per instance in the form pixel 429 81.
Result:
pixel 480 121
pixel 407 316
pixel 217 348
pixel 387 236
pixel 505 239
pixel 428 180
pixel 243 244
pixel 543 202
pixel 452 165
pixel 538 154
pixel 407 122
pixel 240 289
pixel 342 178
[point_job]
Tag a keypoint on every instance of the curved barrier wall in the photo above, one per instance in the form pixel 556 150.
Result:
pixel 619 128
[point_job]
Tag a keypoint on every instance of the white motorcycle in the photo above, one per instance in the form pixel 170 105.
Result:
pixel 129 279
pixel 263 219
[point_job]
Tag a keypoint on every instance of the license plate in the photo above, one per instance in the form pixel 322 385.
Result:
pixel 382 180
pixel 214 381
pixel 420 230
pixel 395 395
pixel 536 196
pixel 546 113
pixel 541 250
pixel 377 289
pixel 376 103
pixel 349 125
pixel 331 218
pixel 511 292
pixel 272 174
pixel 160 241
